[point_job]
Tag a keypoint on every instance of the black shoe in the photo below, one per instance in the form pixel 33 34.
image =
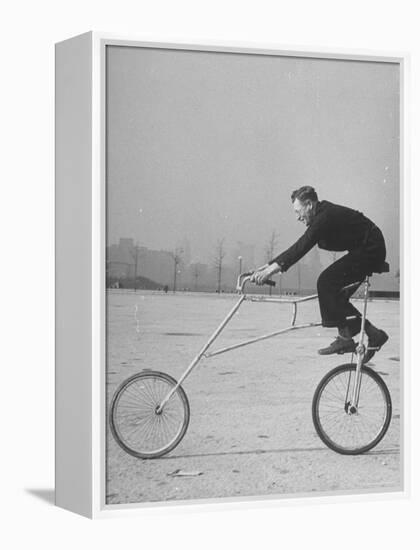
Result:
pixel 340 345
pixel 376 339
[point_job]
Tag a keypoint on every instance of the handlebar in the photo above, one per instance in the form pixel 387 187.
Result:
pixel 246 277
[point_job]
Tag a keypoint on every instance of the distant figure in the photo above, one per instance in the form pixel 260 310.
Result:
pixel 165 289
pixel 336 228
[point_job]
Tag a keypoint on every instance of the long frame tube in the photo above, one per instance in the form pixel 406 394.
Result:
pixel 259 338
pixel 242 280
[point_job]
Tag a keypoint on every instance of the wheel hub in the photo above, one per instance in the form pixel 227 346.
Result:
pixel 349 408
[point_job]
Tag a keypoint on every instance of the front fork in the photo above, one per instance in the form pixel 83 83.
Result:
pixel 352 404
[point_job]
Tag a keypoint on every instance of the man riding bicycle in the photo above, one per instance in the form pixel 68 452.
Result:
pixel 336 228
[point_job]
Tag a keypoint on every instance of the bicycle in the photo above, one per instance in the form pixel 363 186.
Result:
pixel 351 408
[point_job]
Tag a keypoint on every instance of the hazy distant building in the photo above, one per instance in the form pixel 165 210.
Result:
pixel 126 244
pixel 157 265
pixel 119 259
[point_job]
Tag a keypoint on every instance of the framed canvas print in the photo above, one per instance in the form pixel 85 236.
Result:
pixel 229 274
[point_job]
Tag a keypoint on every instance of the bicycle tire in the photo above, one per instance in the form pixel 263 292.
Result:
pixel 327 416
pixel 134 421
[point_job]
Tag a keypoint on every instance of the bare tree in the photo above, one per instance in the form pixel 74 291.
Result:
pixel 270 249
pixel 196 273
pixel 220 253
pixel 177 258
pixel 271 245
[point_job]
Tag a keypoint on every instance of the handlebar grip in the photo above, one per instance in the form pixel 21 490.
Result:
pixel 269 282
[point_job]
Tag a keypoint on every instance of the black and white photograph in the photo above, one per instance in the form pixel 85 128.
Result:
pixel 210 220
pixel 253 314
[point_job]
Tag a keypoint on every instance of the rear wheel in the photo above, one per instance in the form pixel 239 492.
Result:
pixel 136 422
pixel 340 426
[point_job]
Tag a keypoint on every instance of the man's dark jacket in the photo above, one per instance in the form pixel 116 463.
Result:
pixel 335 228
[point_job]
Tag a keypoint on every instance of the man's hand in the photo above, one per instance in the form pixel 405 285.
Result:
pixel 264 273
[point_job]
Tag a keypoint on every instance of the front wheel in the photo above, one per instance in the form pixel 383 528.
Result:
pixel 137 423
pixel 343 428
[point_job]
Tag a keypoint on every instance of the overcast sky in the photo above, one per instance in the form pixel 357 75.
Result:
pixel 204 146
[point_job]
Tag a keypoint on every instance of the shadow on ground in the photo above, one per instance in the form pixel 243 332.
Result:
pixel 47 495
pixel 394 451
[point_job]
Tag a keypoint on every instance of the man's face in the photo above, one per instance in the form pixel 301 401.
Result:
pixel 304 212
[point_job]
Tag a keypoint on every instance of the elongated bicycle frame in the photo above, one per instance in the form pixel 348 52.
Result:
pixel 240 287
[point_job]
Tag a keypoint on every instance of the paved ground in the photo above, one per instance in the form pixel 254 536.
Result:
pixel 251 431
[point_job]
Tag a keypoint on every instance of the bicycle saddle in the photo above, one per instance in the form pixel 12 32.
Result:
pixel 383 268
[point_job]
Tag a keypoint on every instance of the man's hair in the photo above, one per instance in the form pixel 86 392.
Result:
pixel 305 194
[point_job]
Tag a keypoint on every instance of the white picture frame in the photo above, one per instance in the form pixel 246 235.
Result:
pixel 80 256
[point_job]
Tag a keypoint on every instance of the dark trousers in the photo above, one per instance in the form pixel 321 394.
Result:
pixel 336 309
